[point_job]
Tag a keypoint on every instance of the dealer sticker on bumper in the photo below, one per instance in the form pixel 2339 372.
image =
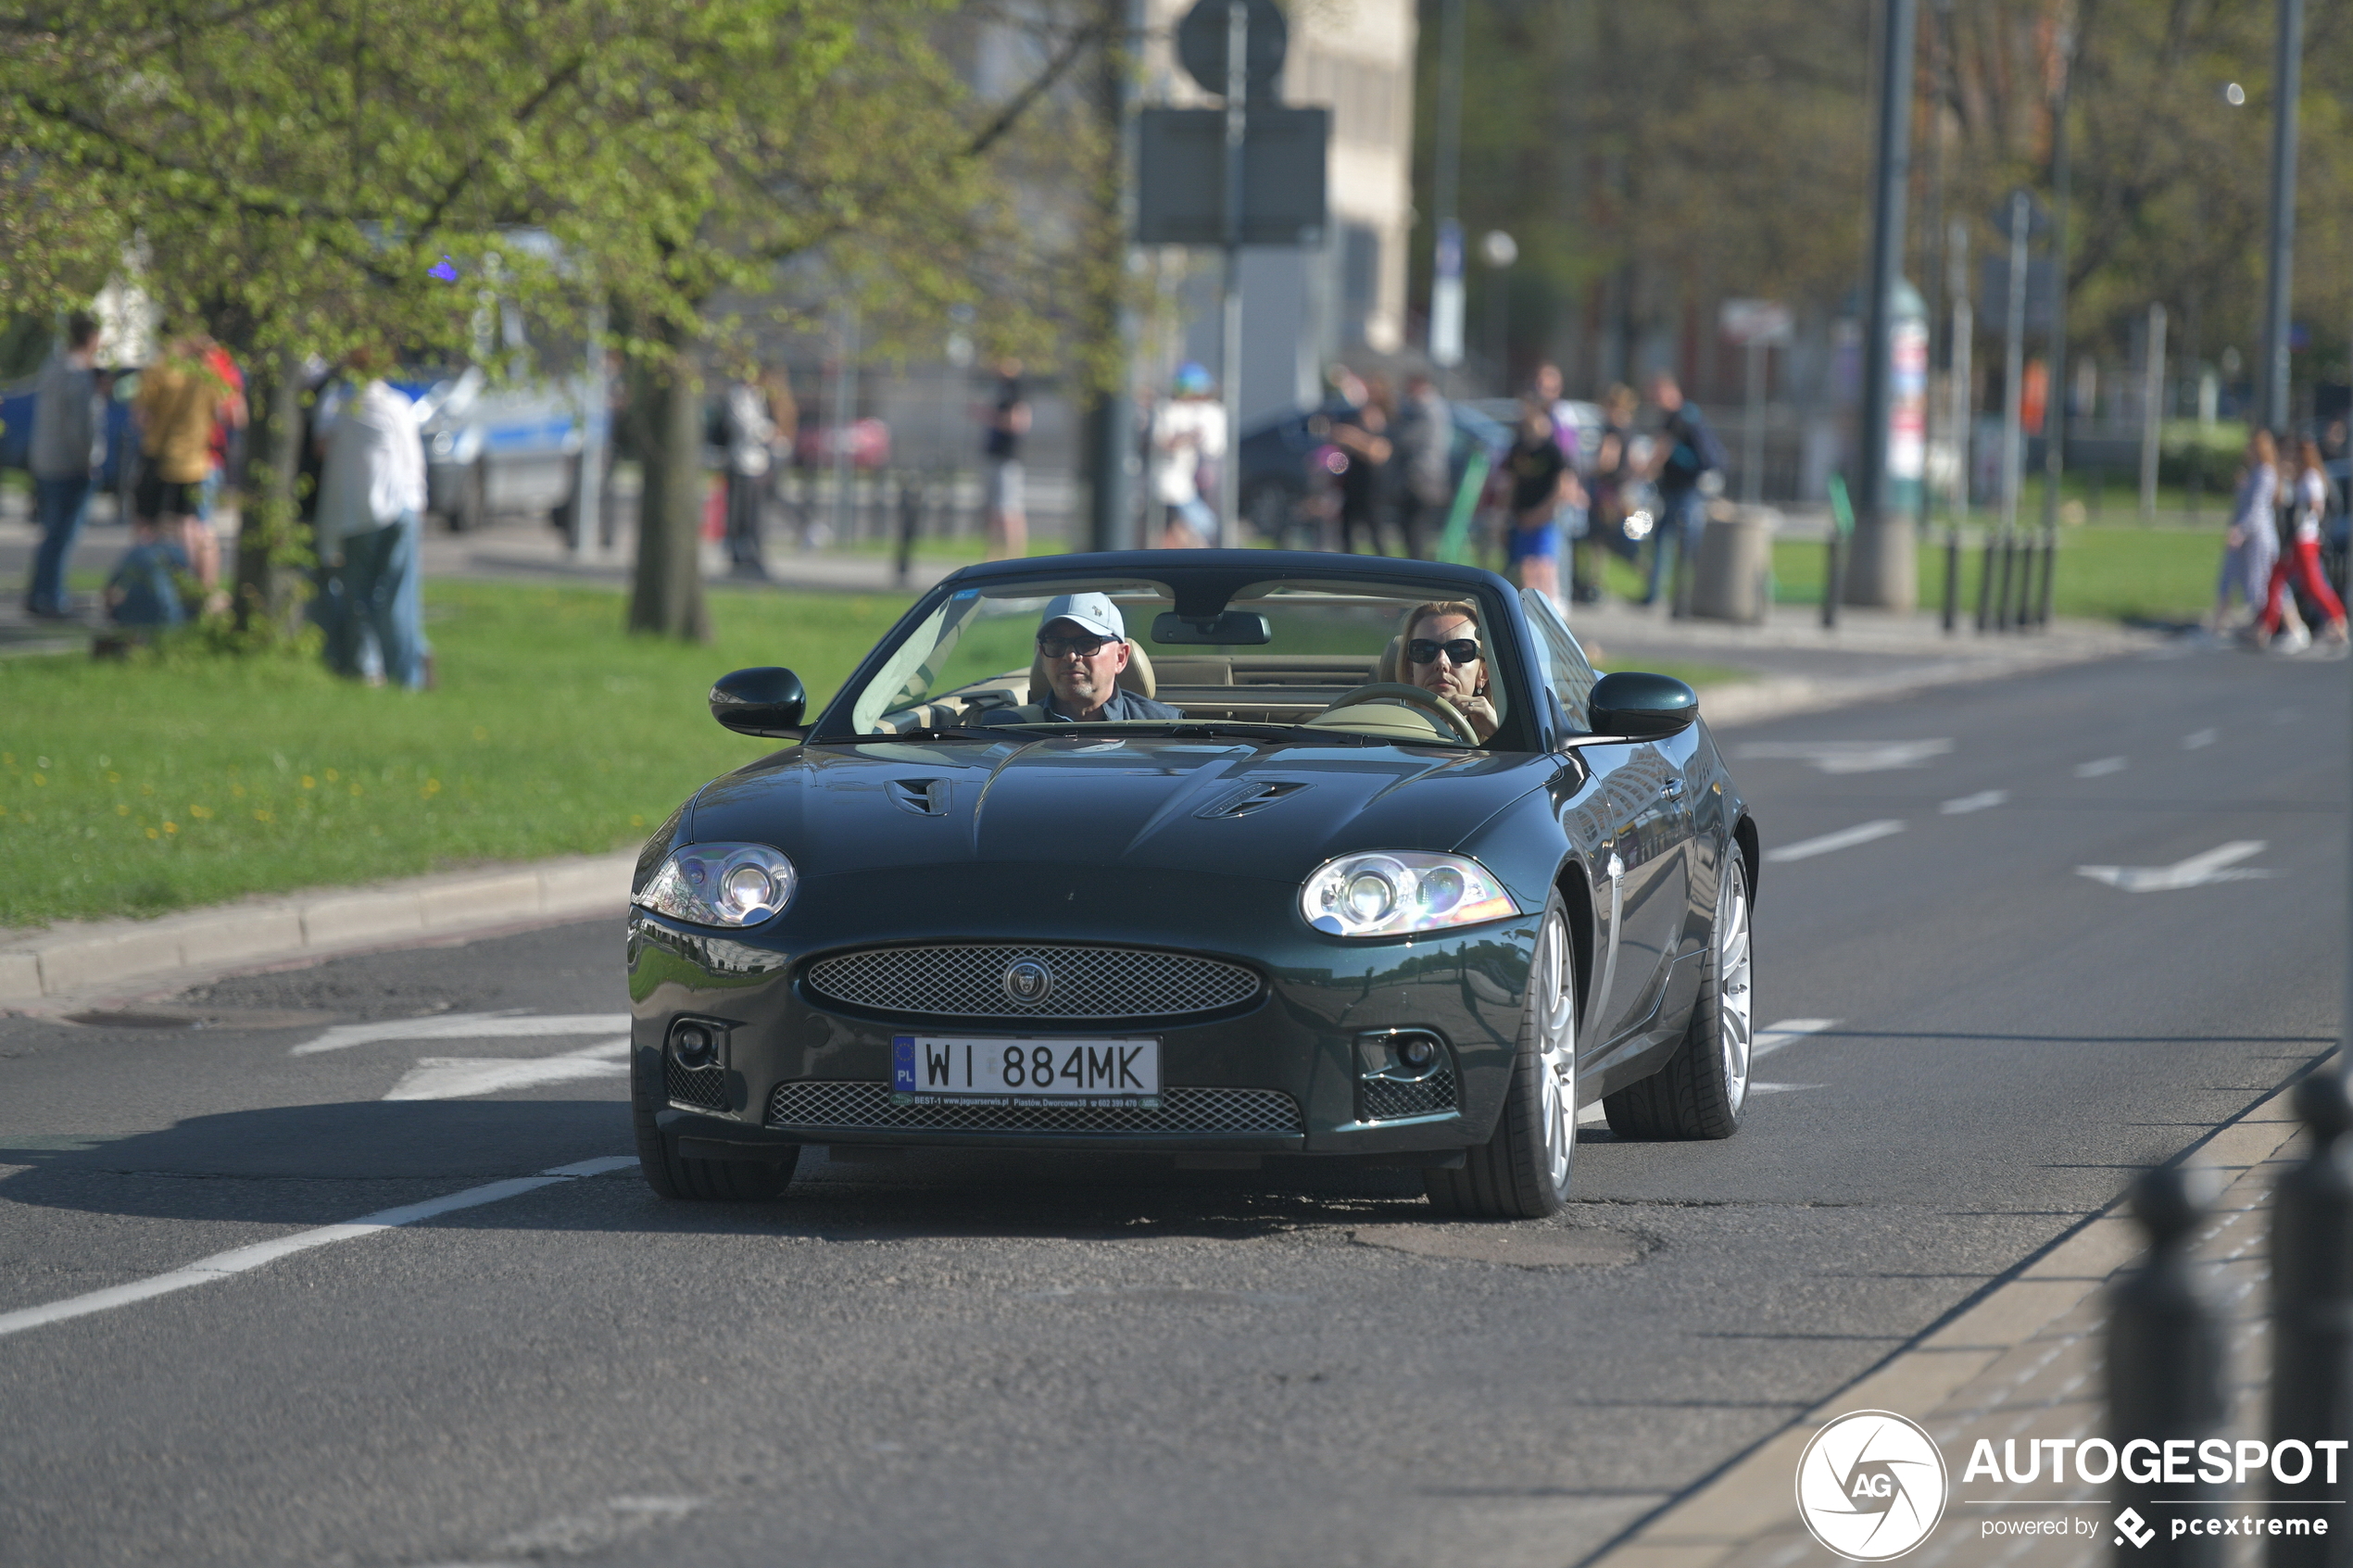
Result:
pixel 1062 1071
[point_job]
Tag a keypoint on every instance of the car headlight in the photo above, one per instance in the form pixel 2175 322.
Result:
pixel 1389 893
pixel 734 884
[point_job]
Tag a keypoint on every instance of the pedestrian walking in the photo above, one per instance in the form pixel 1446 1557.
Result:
pixel 1360 432
pixel 1615 475
pixel 1006 514
pixel 69 434
pixel 1424 440
pixel 2250 544
pixel 2301 556
pixel 181 397
pixel 1687 452
pixel 371 499
pixel 1576 505
pixel 749 434
pixel 1188 434
pixel 228 425
pixel 1540 480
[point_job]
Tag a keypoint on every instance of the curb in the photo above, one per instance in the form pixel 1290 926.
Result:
pixel 74 958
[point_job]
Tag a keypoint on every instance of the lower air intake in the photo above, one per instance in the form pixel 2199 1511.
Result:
pixel 826 1103
pixel 1384 1099
pixel 696 1088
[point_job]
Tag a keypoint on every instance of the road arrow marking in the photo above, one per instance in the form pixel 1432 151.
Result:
pixel 2100 769
pixel 462 1077
pixel 464 1026
pixel 2197 871
pixel 1845 838
pixel 1981 800
pixel 1850 756
pixel 2198 738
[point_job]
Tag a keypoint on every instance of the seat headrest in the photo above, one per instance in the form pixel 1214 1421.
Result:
pixel 1136 677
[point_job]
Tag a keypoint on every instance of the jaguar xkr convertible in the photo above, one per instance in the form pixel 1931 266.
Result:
pixel 1210 854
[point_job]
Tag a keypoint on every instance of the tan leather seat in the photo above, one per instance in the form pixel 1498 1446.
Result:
pixel 1136 677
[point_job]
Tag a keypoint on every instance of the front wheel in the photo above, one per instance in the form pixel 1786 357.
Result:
pixel 1703 1090
pixel 1522 1172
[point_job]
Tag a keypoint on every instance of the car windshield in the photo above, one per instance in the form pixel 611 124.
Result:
pixel 1289 655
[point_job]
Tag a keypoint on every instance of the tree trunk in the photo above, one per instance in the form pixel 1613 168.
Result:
pixel 666 403
pixel 268 585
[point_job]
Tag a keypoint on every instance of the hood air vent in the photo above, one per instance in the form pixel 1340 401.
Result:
pixel 926 798
pixel 1249 799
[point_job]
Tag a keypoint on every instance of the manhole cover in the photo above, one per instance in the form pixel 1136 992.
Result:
pixel 1520 1246
pixel 200 1018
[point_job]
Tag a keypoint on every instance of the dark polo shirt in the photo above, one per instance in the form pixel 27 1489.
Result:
pixel 1123 705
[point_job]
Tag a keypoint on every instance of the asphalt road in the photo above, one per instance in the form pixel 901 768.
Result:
pixel 971 1361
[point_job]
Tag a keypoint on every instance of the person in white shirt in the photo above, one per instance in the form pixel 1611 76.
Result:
pixel 1189 431
pixel 2301 556
pixel 371 501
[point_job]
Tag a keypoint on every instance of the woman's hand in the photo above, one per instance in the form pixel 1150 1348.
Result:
pixel 1481 714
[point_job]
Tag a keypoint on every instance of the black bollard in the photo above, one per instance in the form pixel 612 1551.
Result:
pixel 2312 1325
pixel 911 517
pixel 1834 577
pixel 1952 578
pixel 2166 1365
pixel 2050 570
pixel 1986 586
pixel 2001 588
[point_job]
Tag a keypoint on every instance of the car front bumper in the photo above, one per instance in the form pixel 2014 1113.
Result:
pixel 1280 1074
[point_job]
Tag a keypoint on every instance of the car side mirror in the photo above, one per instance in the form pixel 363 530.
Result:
pixel 1640 705
pixel 763 701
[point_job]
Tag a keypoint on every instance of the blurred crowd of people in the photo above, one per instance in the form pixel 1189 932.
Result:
pixel 2282 508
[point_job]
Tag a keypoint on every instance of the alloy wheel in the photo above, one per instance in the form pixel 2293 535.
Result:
pixel 1734 1005
pixel 1556 1000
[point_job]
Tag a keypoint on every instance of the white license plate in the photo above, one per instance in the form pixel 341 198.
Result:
pixel 1104 1072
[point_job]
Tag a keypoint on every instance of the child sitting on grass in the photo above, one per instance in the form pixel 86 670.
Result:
pixel 143 591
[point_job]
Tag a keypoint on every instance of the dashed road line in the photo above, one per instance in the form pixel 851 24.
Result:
pixel 1849 755
pixel 2101 768
pixel 1788 1032
pixel 241 1260
pixel 1983 800
pixel 462 1077
pixel 2196 739
pixel 1845 838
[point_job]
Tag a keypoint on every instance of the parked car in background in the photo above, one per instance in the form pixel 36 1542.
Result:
pixel 1290 460
pixel 493 449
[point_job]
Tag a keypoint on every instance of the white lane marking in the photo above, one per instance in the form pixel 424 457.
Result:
pixel 2101 769
pixel 1851 756
pixel 2198 738
pixel 459 1077
pixel 1783 1088
pixel 1845 838
pixel 237 1260
pixel 2214 865
pixel 464 1026
pixel 1983 799
pixel 1788 1032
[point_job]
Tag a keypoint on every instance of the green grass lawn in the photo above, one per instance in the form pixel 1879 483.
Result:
pixel 2137 575
pixel 134 789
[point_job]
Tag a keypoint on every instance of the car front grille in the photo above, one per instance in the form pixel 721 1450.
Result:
pixel 829 1103
pixel 976 981
pixel 1384 1099
pixel 696 1088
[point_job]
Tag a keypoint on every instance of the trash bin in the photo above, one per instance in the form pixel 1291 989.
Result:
pixel 1735 564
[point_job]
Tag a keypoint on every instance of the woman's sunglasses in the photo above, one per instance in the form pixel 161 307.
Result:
pixel 1462 650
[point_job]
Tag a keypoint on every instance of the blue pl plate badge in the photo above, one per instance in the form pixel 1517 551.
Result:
pixel 902 1064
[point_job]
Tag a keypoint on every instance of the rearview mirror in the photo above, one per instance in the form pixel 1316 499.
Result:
pixel 1237 627
pixel 764 701
pixel 1640 705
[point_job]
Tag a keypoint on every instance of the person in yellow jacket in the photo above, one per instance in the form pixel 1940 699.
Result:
pixel 179 397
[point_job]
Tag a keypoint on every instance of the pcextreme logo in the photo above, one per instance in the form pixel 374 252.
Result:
pixel 1870 1486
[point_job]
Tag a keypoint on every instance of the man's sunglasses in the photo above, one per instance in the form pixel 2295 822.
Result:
pixel 1462 650
pixel 1084 648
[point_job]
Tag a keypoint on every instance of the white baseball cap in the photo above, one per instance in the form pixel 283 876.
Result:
pixel 1094 612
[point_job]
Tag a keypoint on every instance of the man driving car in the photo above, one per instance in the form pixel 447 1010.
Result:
pixel 1082 642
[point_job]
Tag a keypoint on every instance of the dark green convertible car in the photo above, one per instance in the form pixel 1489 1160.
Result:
pixel 1212 854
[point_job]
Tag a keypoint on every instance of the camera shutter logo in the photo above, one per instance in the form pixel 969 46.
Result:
pixel 1028 982
pixel 1872 1485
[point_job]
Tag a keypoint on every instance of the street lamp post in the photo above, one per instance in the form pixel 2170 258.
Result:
pixel 2271 404
pixel 1446 270
pixel 1499 250
pixel 1881 572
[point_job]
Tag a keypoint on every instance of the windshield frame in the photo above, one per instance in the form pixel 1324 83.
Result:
pixel 1213 578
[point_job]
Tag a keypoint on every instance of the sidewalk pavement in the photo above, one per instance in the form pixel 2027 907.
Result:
pixel 2023 1361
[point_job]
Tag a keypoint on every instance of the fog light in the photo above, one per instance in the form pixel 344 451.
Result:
pixel 694 1045
pixel 1417 1051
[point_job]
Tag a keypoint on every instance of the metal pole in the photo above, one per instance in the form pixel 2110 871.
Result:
pixel 1879 560
pixel 2152 408
pixel 1110 413
pixel 845 410
pixel 2014 384
pixel 1446 272
pixel 2286 83
pixel 1229 469
pixel 1752 447
pixel 1962 368
pixel 596 396
pixel 2055 405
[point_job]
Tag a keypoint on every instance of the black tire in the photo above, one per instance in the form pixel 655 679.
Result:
pixel 472 506
pixel 1522 1172
pixel 1702 1090
pixel 706 1181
